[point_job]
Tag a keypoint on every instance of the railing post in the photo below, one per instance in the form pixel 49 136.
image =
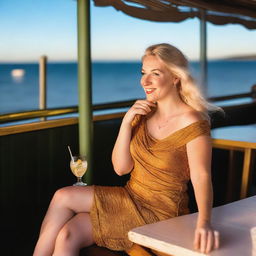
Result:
pixel 253 92
pixel 84 84
pixel 203 52
pixel 42 83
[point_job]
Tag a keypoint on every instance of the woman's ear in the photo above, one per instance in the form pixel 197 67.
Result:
pixel 176 80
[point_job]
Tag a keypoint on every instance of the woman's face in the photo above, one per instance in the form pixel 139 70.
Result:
pixel 157 81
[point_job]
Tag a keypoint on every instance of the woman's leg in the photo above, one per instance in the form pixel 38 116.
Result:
pixel 65 203
pixel 76 234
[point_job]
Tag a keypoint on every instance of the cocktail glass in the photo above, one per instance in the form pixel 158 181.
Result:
pixel 78 166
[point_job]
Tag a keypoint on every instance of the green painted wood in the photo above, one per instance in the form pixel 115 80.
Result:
pixel 84 84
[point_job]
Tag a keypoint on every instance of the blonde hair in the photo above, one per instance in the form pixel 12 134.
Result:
pixel 187 88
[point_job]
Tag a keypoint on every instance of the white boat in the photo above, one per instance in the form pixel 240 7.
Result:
pixel 18 72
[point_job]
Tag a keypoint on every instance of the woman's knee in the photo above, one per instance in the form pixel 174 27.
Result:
pixel 66 241
pixel 76 234
pixel 65 235
pixel 62 196
pixel 78 199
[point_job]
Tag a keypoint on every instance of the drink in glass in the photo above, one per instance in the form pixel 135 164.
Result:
pixel 78 166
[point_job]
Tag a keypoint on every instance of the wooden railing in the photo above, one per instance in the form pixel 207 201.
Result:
pixel 10 117
pixel 60 122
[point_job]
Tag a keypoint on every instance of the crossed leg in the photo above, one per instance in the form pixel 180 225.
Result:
pixel 66 227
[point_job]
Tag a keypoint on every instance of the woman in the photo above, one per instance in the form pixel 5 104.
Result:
pixel 163 141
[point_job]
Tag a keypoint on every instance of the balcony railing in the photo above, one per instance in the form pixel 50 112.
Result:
pixel 10 117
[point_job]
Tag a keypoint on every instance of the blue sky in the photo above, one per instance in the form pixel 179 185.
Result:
pixel 31 28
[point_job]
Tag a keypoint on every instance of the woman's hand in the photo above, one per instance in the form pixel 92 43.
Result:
pixel 206 239
pixel 121 155
pixel 140 107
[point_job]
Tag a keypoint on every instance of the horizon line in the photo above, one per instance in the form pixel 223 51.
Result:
pixel 113 61
pixel 31 61
pixel 251 56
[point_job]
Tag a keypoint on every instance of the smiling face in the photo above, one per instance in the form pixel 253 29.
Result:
pixel 157 80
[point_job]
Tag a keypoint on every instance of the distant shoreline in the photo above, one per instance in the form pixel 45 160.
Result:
pixel 241 57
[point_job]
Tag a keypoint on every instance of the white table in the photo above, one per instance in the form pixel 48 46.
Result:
pixel 175 236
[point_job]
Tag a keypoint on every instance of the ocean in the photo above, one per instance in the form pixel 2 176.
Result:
pixel 111 81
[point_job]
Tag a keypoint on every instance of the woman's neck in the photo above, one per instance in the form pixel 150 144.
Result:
pixel 170 106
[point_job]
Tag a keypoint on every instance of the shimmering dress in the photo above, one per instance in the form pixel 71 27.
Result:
pixel 156 189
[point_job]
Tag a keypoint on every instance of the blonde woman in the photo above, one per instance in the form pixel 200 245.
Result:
pixel 163 142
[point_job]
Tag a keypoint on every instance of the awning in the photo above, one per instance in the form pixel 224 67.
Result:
pixel 219 12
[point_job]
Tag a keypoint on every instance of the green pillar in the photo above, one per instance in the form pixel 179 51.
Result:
pixel 84 84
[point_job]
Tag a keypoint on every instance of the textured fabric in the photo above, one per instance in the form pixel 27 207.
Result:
pixel 217 12
pixel 156 189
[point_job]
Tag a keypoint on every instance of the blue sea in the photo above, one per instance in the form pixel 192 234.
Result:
pixel 111 81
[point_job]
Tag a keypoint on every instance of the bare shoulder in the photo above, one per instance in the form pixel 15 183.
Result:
pixel 190 117
pixel 202 142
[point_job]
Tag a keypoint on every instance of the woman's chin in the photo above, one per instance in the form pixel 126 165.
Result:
pixel 151 98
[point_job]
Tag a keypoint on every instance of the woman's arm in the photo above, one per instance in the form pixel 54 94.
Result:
pixel 199 153
pixel 121 156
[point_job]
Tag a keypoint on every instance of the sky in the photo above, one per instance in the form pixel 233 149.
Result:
pixel 31 28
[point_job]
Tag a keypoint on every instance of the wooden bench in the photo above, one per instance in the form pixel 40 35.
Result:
pixel 95 250
pixel 136 250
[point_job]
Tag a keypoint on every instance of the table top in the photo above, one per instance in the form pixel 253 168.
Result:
pixel 238 133
pixel 175 235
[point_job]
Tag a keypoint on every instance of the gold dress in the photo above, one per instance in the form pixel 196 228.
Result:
pixel 156 189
